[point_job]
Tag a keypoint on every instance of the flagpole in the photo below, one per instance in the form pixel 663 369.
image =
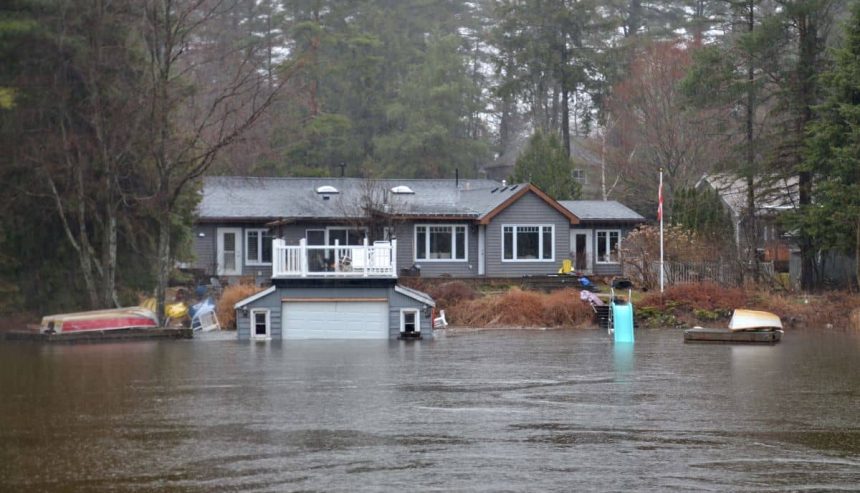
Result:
pixel 660 198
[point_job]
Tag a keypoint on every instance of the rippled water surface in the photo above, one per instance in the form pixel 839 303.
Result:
pixel 482 411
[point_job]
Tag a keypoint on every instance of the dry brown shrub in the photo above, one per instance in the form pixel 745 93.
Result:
pixel 518 308
pixel 450 293
pixel 232 295
pixel 833 309
pixel 564 308
pixel 704 296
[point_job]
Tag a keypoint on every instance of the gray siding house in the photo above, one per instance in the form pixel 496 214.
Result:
pixel 332 249
pixel 450 228
pixel 594 242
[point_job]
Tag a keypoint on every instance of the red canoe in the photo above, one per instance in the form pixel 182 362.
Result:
pixel 115 319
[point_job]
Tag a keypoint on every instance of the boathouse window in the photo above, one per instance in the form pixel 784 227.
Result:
pixel 258 247
pixel 260 324
pixel 528 243
pixel 607 246
pixel 409 321
pixel 440 242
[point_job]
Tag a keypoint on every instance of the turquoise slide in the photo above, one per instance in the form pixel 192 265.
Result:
pixel 622 321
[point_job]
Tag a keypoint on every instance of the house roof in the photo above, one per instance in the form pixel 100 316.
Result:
pixel 602 210
pixel 773 194
pixel 415 294
pixel 249 198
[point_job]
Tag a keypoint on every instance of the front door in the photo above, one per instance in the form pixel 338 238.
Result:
pixel 580 249
pixel 229 251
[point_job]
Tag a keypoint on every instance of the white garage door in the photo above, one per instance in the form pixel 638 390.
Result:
pixel 335 320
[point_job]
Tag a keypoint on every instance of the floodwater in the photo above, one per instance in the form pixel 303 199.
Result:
pixel 479 411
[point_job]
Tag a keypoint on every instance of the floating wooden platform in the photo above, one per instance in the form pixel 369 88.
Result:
pixel 700 334
pixel 98 335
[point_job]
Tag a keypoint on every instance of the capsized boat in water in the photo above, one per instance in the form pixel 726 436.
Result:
pixel 745 326
pixel 743 319
pixel 98 320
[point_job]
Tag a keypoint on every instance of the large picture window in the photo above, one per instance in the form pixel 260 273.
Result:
pixel 528 243
pixel 607 246
pixel 258 247
pixel 440 242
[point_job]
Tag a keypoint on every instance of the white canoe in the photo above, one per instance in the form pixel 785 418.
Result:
pixel 754 320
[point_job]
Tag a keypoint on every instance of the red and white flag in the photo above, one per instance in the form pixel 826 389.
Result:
pixel 660 200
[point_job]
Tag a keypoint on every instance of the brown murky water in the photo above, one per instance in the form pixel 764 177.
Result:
pixel 488 411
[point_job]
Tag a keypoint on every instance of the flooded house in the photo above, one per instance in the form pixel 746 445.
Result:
pixel 332 249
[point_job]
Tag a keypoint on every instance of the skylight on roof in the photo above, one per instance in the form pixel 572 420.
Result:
pixel 327 189
pixel 401 189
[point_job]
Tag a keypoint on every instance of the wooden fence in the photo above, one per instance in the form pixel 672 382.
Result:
pixel 723 273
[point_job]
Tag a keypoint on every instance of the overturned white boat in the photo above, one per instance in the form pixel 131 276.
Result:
pixel 745 326
pixel 743 319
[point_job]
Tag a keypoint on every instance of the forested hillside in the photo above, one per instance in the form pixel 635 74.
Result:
pixel 111 112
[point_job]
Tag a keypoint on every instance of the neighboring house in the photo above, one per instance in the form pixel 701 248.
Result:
pixel 773 197
pixel 470 228
pixel 594 241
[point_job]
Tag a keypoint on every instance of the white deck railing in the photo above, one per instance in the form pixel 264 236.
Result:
pixel 377 260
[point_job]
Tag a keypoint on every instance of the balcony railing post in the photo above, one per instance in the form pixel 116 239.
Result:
pixel 303 256
pixel 393 260
pixel 366 253
pixel 277 261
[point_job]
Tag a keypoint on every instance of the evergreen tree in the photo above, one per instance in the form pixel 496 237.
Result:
pixel 545 163
pixel 832 220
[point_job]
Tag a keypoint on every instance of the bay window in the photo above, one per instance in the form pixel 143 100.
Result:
pixel 528 243
pixel 440 242
pixel 607 246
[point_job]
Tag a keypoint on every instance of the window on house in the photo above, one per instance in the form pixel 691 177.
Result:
pixel 607 246
pixel 258 246
pixel 260 324
pixel 409 321
pixel 579 175
pixel 440 242
pixel 346 236
pixel 528 242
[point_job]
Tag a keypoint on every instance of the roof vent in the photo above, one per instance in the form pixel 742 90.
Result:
pixel 327 189
pixel 399 189
pixel 514 187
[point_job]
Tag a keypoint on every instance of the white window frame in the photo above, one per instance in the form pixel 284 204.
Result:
pixel 329 229
pixel 597 250
pixel 403 312
pixel 253 323
pixel 514 246
pixel 260 232
pixel 454 250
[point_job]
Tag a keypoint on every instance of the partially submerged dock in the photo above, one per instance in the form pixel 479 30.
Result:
pixel 133 334
pixel 701 334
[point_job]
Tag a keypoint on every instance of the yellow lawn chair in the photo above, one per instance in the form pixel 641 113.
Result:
pixel 566 266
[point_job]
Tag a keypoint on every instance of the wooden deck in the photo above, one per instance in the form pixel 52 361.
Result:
pixel 701 334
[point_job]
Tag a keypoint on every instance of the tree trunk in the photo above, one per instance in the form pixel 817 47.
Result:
pixel 565 100
pixel 751 223
pixel 807 38
pixel 163 262
pixel 109 297
pixel 857 253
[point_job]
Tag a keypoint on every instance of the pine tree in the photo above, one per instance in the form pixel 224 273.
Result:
pixel 545 163
pixel 833 153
